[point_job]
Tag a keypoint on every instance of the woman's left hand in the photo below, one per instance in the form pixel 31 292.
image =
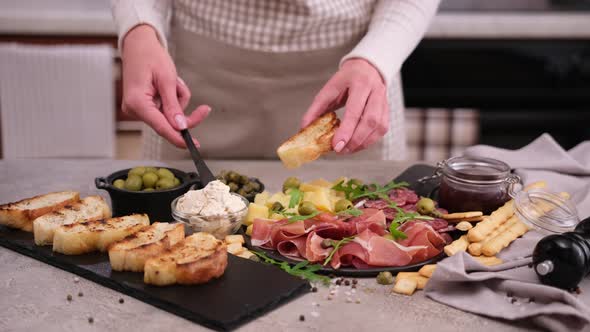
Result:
pixel 360 88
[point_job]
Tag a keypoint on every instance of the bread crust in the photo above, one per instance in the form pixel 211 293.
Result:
pixel 134 258
pixel 310 142
pixel 13 216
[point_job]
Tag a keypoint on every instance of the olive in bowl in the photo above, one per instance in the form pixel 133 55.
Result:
pixel 153 200
pixel 240 184
pixel 147 179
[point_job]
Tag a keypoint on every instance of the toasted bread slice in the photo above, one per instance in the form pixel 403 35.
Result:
pixel 310 142
pixel 22 213
pixel 89 208
pixel 131 253
pixel 195 260
pixel 88 236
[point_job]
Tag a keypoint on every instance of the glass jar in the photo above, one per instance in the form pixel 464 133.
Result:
pixel 474 184
pixel 547 212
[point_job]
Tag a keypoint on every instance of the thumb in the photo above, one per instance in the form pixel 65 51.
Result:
pixel 170 104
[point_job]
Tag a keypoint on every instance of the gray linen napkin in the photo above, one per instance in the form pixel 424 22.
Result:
pixel 512 290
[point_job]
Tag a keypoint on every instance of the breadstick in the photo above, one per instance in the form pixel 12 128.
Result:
pixel 489 261
pixel 420 279
pixel 501 241
pixel 475 248
pixel 405 286
pixel 427 270
pixel 535 185
pixel 487 225
pixel 458 245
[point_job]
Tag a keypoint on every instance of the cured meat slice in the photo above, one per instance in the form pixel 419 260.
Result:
pixel 347 253
pixel 372 219
pixel 294 248
pixel 261 232
pixel 313 248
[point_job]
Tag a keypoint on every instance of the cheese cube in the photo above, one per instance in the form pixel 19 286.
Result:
pixel 255 211
pixel 278 197
pixel 321 183
pixel 235 248
pixel 236 238
pixel 308 187
pixel 262 198
pixel 249 229
pixel 321 199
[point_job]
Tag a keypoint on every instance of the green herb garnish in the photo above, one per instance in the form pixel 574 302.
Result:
pixel 296 196
pixel 336 245
pixel 351 212
pixel 353 190
pixel 302 269
pixel 292 217
pixel 400 218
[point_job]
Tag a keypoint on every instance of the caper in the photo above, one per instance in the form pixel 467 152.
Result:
pixel 243 179
pixel 291 182
pixel 241 192
pixel 342 205
pixel 277 206
pixel 233 176
pixel 248 188
pixel 164 183
pixel 255 185
pixel 385 278
pixel 137 171
pixel 233 187
pixel 306 208
pixel 222 180
pixel 119 183
pixel 222 174
pixel 133 183
pixel 149 179
pixel 425 206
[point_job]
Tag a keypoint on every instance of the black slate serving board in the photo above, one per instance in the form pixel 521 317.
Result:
pixel 245 291
pixel 425 188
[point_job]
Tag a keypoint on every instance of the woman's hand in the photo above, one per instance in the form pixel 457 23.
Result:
pixel 149 76
pixel 359 87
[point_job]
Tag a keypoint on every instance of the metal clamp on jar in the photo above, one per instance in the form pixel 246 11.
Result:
pixel 474 184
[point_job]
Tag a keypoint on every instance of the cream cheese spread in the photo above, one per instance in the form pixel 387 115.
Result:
pixel 213 200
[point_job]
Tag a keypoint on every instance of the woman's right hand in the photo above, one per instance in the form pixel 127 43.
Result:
pixel 149 76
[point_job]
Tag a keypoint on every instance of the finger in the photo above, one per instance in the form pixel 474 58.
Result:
pixel 198 115
pixel 170 103
pixel 183 93
pixel 368 123
pixel 381 129
pixel 326 100
pixel 155 119
pixel 355 105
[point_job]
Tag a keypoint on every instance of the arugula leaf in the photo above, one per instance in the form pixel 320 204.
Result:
pixel 351 212
pixel 395 232
pixel 296 196
pixel 293 218
pixel 336 245
pixel 302 269
pixel 400 218
pixel 353 191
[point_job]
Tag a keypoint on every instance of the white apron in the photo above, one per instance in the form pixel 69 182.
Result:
pixel 258 99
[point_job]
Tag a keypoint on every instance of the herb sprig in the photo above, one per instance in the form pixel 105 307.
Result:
pixel 354 190
pixel 337 245
pixel 296 196
pixel 351 212
pixel 302 269
pixel 400 218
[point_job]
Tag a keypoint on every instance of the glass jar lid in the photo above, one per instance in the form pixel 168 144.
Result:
pixel 476 170
pixel 546 211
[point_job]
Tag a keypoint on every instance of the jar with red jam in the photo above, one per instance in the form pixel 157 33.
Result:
pixel 474 184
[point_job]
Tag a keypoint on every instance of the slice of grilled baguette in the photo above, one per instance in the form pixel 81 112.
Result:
pixel 87 236
pixel 131 253
pixel 309 143
pixel 22 213
pixel 196 260
pixel 89 208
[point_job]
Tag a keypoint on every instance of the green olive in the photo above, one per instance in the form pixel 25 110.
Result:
pixel 342 205
pixel 165 183
pixel 133 183
pixel 385 278
pixel 151 169
pixel 165 173
pixel 119 183
pixel 149 189
pixel 233 187
pixel 136 171
pixel 425 206
pixel 149 179
pixel 291 182
pixel 306 208
pixel 277 206
pixel 176 181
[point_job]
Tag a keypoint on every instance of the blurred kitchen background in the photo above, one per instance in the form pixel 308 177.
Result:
pixel 497 72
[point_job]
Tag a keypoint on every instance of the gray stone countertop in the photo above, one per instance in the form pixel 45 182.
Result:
pixel 33 294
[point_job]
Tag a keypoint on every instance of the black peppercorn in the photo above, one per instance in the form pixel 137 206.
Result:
pixel 69 297
pixel 80 294
pixel 90 320
pixel 347 282
pixel 121 301
pixel 314 289
pixel 301 318
pixel 354 281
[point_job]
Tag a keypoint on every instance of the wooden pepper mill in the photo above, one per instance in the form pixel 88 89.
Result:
pixel 563 260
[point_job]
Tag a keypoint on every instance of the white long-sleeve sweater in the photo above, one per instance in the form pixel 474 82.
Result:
pixel 390 29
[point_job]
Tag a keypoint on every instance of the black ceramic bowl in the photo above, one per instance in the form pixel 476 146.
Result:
pixel 155 203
